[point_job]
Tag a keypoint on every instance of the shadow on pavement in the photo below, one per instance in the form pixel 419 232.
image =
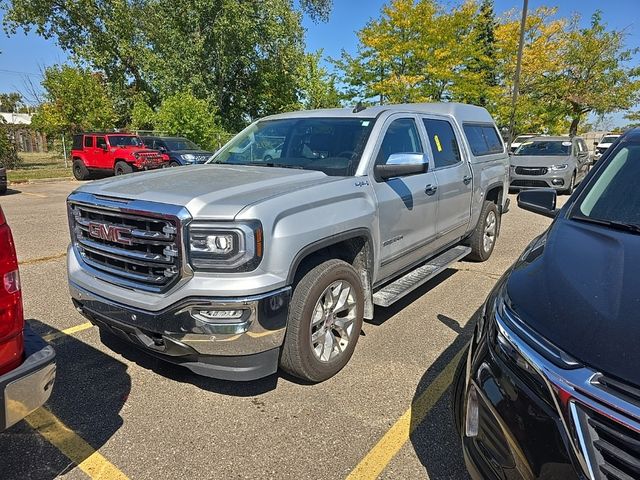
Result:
pixel 184 375
pixel 11 191
pixel 434 438
pixel 90 390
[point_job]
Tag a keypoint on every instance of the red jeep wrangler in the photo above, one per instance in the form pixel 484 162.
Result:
pixel 119 153
pixel 27 363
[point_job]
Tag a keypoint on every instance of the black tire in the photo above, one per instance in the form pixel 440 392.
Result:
pixel 122 168
pixel 572 185
pixel 80 171
pixel 457 392
pixel 298 357
pixel 3 189
pixel 481 251
pixel 173 163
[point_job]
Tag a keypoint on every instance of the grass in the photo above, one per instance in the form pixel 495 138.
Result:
pixel 39 165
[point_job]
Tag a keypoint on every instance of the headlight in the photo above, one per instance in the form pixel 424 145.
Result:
pixel 555 168
pixel 226 247
pixel 189 157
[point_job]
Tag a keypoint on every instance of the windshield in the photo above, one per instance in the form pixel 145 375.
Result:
pixel 610 139
pixel 545 147
pixel 330 145
pixel 125 141
pixel 180 144
pixel 614 196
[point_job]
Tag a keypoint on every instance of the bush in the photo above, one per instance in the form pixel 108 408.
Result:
pixel 8 153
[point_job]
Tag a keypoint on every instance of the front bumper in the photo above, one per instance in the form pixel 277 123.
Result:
pixel 244 350
pixel 29 386
pixel 559 180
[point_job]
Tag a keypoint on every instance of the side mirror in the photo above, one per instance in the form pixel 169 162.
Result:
pixel 595 144
pixel 542 201
pixel 162 150
pixel 401 165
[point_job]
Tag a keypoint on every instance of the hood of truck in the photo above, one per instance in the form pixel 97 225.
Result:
pixel 208 191
pixel 539 160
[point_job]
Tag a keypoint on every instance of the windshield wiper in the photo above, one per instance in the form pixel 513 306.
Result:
pixel 277 165
pixel 627 227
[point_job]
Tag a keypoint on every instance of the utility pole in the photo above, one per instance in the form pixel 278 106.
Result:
pixel 516 78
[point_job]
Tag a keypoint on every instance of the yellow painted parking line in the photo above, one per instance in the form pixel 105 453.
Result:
pixel 69 331
pixel 34 261
pixel 73 446
pixel 34 194
pixel 390 444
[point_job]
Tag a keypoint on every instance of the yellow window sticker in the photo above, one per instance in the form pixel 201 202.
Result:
pixel 438 144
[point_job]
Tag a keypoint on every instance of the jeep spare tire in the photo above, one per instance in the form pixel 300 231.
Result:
pixel 325 320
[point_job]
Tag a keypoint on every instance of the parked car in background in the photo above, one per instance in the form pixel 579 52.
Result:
pixel 241 265
pixel 112 154
pixel 550 162
pixel 520 139
pixel 603 144
pixel 3 180
pixel 550 385
pixel 27 363
pixel 181 151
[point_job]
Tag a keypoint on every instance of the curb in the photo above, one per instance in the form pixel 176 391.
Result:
pixel 40 180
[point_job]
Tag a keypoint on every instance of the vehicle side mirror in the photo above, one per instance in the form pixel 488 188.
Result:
pixel 595 144
pixel 542 201
pixel 402 165
pixel 162 149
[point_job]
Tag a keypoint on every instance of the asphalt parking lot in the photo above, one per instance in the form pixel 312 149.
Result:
pixel 124 414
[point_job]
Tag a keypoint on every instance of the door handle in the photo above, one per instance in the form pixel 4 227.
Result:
pixel 466 180
pixel 430 189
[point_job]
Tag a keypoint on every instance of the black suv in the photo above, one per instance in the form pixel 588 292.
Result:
pixel 181 151
pixel 550 387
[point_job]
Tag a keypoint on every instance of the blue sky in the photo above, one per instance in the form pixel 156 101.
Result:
pixel 30 53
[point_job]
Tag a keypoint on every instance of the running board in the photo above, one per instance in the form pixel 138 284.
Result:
pixel 412 280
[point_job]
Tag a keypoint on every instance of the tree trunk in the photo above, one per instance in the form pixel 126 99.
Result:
pixel 575 121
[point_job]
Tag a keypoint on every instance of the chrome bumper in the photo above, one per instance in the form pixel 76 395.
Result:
pixel 29 386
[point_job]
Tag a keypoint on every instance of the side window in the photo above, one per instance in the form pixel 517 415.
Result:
pixel 444 144
pixel 88 142
pixel 483 139
pixel 101 142
pixel 401 137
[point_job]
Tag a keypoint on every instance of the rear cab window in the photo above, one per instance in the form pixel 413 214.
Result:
pixel 443 141
pixel 88 141
pixel 483 139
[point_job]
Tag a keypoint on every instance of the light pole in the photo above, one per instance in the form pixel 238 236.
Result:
pixel 516 78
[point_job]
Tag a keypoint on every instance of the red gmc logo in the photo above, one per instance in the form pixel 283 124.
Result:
pixel 110 233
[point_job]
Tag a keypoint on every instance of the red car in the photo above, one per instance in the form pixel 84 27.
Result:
pixel 112 153
pixel 27 363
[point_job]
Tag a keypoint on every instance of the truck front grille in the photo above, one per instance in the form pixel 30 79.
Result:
pixel 531 170
pixel 133 250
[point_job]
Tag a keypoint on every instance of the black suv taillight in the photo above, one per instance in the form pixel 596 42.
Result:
pixel 11 313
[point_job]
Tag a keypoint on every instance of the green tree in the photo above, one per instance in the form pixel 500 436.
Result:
pixel 142 115
pixel 318 86
pixel 75 100
pixel 8 153
pixel 10 102
pixel 595 75
pixel 185 115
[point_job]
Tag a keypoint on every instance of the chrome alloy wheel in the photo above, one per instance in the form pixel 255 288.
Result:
pixel 333 321
pixel 490 230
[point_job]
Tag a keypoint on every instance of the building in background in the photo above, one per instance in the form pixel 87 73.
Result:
pixel 21 133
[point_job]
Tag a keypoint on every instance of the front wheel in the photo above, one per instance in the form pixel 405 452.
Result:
pixel 483 238
pixel 122 168
pixel 572 185
pixel 174 164
pixel 325 319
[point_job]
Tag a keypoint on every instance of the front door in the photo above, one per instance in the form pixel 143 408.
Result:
pixel 453 175
pixel 407 205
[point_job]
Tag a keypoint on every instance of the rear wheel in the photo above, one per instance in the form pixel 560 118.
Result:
pixel 483 238
pixel 122 168
pixel 325 319
pixel 80 171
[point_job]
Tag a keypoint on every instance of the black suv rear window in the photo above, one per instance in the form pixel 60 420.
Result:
pixel 483 139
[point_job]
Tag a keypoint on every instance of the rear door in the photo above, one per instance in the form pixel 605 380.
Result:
pixel 89 149
pixel 453 175
pixel 102 157
pixel 407 205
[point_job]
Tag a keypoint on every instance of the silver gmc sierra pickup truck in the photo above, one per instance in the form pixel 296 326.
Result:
pixel 274 252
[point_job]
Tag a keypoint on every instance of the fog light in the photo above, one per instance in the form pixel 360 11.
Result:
pixel 471 418
pixel 557 181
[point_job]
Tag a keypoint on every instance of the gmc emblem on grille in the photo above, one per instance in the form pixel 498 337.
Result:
pixel 110 233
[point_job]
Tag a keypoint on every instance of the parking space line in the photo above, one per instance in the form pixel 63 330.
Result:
pixel 73 446
pixel 34 194
pixel 68 331
pixel 372 465
pixel 34 261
